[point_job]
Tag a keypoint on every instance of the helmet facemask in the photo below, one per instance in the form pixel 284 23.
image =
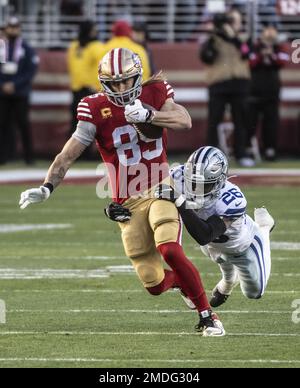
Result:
pixel 123 98
pixel 120 65
pixel 204 181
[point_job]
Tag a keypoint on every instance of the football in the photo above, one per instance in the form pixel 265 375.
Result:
pixel 150 131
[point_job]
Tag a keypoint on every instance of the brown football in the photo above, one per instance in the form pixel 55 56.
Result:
pixel 150 131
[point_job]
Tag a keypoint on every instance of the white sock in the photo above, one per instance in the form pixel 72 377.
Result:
pixel 229 280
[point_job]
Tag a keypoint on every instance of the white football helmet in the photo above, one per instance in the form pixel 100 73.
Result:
pixel 205 174
pixel 118 65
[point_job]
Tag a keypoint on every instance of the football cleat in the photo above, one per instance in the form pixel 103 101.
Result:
pixel 217 299
pixel 263 218
pixel 210 325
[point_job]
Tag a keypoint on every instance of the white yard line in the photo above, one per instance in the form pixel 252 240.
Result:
pixel 107 258
pixel 121 291
pixel 49 273
pixel 29 274
pixel 13 228
pixel 61 258
pixel 287 246
pixel 139 333
pixel 172 361
pixel 138 311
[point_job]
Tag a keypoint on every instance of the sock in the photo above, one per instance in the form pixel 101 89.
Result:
pixel 187 275
pixel 229 278
pixel 166 284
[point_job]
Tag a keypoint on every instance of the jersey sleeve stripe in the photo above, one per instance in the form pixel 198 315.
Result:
pixel 169 87
pixel 235 211
pixel 171 91
pixel 85 115
pixel 83 104
pixel 83 110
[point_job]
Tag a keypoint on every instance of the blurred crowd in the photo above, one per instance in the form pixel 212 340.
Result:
pixel 16 75
pixel 244 75
pixel 241 73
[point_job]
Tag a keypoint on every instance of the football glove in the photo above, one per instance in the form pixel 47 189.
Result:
pixel 136 113
pixel 116 212
pixel 168 193
pixel 37 195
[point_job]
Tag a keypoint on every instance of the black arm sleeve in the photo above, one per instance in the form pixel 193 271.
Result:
pixel 202 231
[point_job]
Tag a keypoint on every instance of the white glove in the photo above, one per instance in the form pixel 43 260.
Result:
pixel 136 113
pixel 34 196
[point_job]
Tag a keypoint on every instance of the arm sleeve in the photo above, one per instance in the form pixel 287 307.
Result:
pixel 85 133
pixel 202 231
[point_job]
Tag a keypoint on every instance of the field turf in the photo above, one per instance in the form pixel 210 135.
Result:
pixel 73 301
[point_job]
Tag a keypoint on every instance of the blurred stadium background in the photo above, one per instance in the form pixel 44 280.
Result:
pixel 72 298
pixel 176 30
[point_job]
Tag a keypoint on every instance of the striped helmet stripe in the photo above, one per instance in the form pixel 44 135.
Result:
pixel 120 61
pixel 112 62
pixel 200 158
pixel 116 61
pixel 207 151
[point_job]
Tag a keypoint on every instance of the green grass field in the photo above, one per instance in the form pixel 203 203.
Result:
pixel 109 320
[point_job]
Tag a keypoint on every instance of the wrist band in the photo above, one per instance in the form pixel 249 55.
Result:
pixel 49 186
pixel 180 201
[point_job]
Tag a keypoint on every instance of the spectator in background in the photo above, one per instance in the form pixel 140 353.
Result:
pixel 83 59
pixel 140 35
pixel 16 76
pixel 228 77
pixel 266 60
pixel 122 37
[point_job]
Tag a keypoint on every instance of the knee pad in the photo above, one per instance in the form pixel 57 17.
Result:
pixel 149 269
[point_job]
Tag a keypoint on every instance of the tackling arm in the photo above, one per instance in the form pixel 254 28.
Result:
pixel 202 231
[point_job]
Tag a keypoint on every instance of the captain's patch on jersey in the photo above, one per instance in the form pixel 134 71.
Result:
pixel 106 113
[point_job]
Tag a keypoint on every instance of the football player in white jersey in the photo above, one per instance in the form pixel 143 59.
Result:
pixel 214 212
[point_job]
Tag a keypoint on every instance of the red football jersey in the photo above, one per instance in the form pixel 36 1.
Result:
pixel 134 162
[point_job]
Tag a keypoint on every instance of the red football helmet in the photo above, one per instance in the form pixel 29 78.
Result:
pixel 118 65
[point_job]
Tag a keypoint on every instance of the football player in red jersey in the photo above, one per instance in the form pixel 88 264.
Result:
pixel 152 230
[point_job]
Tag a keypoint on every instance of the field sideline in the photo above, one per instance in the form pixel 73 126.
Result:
pixel 73 300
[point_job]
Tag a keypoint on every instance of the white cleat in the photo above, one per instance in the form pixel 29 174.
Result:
pixel 210 326
pixel 216 331
pixel 263 218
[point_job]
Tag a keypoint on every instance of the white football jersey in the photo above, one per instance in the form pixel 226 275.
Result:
pixel 230 203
